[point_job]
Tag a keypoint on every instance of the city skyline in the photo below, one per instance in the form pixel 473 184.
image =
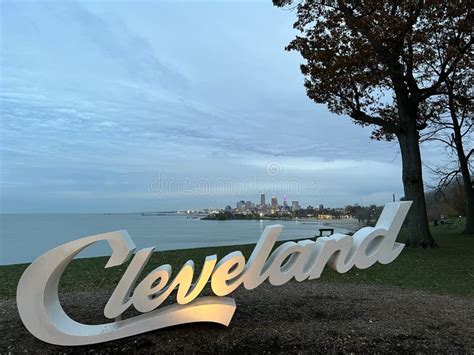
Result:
pixel 257 205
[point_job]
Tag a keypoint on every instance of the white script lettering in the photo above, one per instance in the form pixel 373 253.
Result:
pixel 41 312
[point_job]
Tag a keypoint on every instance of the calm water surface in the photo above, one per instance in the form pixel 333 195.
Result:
pixel 23 237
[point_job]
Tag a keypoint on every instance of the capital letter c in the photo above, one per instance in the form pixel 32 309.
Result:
pixel 41 312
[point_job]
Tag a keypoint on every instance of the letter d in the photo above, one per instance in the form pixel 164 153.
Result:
pixel 378 243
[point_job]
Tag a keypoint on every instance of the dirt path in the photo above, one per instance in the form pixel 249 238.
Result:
pixel 306 317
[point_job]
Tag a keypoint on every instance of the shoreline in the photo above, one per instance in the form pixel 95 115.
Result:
pixel 445 270
pixel 350 224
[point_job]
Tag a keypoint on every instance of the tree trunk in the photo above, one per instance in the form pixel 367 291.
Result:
pixel 469 191
pixel 464 168
pixel 417 219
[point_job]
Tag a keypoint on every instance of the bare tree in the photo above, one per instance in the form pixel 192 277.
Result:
pixel 453 127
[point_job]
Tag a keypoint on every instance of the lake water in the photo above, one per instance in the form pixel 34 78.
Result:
pixel 24 237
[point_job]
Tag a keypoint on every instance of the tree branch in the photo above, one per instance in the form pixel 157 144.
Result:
pixel 469 155
pixel 378 121
pixel 433 89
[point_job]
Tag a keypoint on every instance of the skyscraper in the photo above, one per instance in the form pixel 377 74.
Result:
pixel 262 199
pixel 295 205
pixel 274 203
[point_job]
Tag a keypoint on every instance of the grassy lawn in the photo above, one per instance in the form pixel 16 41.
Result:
pixel 446 270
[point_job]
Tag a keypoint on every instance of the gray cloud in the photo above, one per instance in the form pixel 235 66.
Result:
pixel 99 98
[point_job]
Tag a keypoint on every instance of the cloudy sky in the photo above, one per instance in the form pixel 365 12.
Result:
pixel 127 106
